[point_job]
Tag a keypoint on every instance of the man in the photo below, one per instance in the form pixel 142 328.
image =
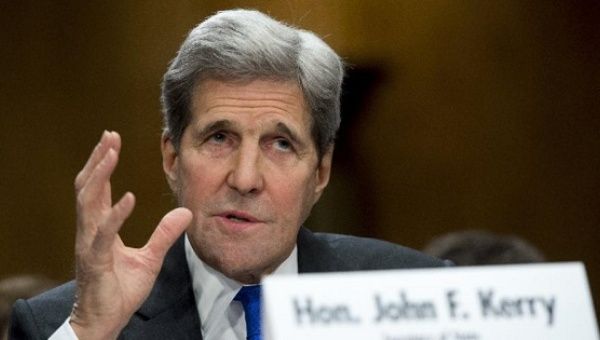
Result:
pixel 251 109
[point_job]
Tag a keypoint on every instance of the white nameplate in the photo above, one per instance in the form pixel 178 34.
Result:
pixel 515 302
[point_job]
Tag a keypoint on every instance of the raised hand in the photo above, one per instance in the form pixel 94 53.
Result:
pixel 113 280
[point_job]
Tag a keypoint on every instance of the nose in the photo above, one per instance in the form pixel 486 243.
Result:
pixel 246 174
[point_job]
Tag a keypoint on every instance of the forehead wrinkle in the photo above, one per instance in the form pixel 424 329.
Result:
pixel 283 90
pixel 285 104
pixel 261 94
pixel 267 108
pixel 287 98
pixel 225 99
pixel 283 101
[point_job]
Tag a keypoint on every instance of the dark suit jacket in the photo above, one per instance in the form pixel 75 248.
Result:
pixel 170 310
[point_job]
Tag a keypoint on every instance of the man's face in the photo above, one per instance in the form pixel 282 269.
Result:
pixel 248 170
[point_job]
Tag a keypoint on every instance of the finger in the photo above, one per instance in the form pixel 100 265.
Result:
pixel 107 231
pixel 115 141
pixel 95 157
pixel 107 141
pixel 167 232
pixel 97 188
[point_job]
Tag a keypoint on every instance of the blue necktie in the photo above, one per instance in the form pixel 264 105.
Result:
pixel 249 296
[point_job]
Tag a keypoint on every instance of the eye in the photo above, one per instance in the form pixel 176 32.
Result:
pixel 283 144
pixel 218 137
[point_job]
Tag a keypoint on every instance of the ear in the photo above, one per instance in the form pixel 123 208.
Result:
pixel 323 172
pixel 170 160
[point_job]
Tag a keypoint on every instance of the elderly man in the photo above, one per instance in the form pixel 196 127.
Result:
pixel 251 109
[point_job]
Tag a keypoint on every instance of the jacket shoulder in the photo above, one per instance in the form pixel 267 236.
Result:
pixel 319 252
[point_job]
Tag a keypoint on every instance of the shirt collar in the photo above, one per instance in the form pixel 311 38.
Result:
pixel 214 291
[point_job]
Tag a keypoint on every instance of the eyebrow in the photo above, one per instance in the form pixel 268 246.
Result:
pixel 222 124
pixel 285 130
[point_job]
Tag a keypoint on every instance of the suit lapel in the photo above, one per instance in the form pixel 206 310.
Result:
pixel 170 310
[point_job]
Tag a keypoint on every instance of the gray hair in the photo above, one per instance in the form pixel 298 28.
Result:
pixel 243 45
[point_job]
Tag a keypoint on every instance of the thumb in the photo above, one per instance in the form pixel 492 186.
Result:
pixel 172 225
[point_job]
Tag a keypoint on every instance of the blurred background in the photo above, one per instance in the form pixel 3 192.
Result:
pixel 456 115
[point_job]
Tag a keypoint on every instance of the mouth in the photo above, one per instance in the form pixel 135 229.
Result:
pixel 236 218
pixel 239 217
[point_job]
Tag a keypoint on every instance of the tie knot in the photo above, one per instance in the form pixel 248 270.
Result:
pixel 249 297
pixel 248 294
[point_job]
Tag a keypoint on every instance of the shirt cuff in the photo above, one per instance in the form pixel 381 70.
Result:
pixel 64 332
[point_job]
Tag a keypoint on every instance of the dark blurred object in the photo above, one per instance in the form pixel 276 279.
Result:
pixel 19 287
pixel 477 247
pixel 351 184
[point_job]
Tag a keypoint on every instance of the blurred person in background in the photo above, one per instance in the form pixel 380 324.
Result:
pixel 479 247
pixel 19 287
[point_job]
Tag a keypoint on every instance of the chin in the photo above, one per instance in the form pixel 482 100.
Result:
pixel 248 265
pixel 245 261
pixel 241 270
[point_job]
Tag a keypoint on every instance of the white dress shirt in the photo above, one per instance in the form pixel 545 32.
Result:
pixel 221 317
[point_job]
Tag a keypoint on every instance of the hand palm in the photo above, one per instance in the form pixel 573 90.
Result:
pixel 113 280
